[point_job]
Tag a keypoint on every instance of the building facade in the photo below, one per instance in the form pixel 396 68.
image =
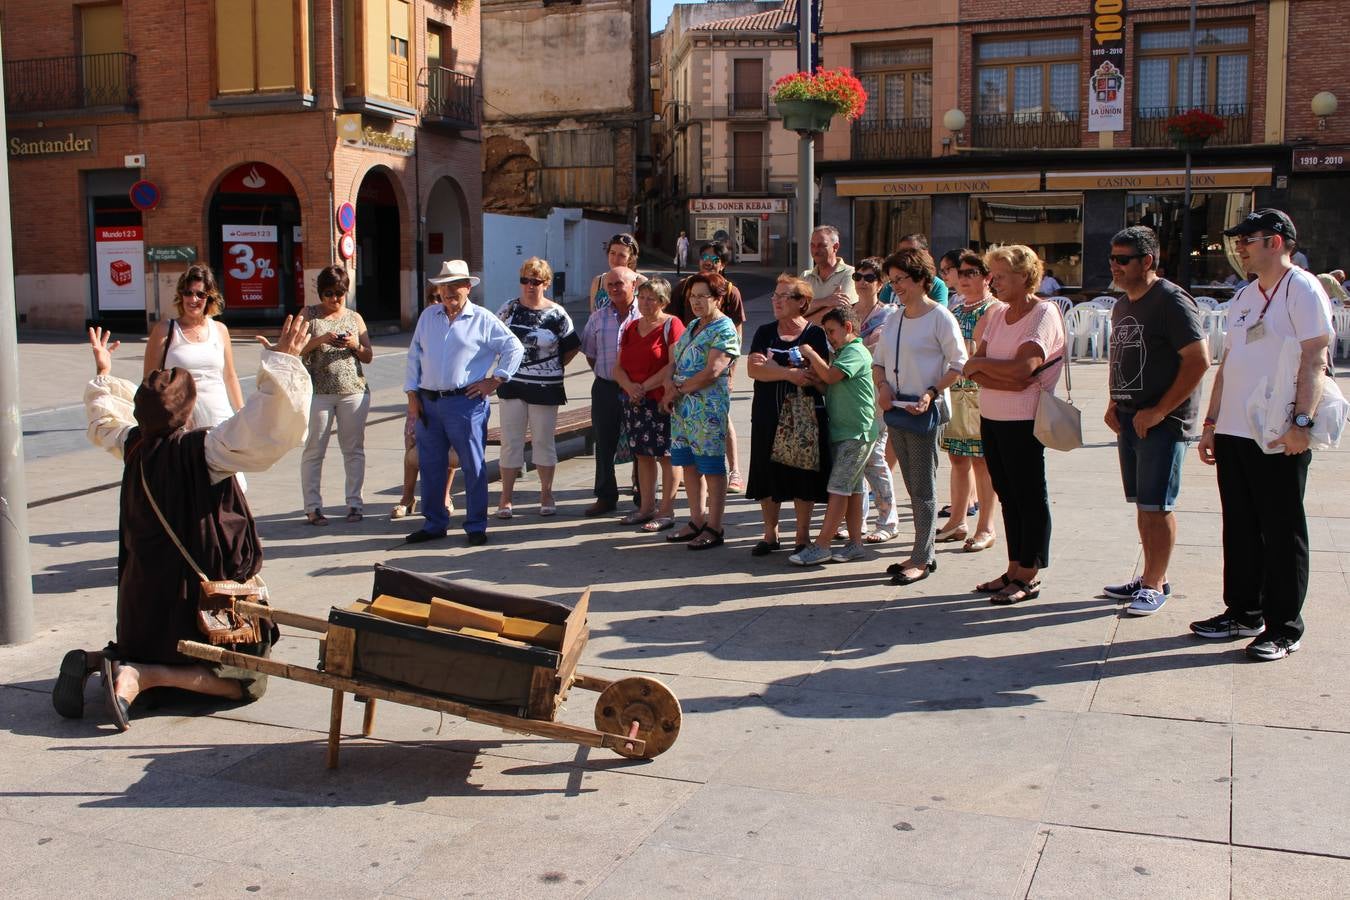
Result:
pixel 1044 123
pixel 726 168
pixel 244 126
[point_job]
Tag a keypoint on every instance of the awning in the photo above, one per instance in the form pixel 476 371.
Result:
pixel 1157 179
pixel 953 184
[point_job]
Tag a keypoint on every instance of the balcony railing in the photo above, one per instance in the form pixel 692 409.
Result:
pixel 892 139
pixel 448 99
pixel 747 105
pixel 746 181
pixel 1150 125
pixel 1026 131
pixel 682 114
pixel 88 81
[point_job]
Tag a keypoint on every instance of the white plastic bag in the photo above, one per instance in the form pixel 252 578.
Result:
pixel 1270 408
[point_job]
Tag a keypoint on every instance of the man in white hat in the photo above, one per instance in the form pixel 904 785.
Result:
pixel 460 354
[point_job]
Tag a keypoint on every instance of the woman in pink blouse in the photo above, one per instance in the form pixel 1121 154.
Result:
pixel 1020 355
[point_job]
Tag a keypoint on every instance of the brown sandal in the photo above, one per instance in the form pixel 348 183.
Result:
pixel 316 518
pixel 993 587
pixel 354 515
pixel 1017 591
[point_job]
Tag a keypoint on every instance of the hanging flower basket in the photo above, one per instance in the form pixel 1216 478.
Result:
pixel 809 101
pixel 1190 130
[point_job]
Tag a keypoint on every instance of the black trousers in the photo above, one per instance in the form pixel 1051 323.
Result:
pixel 606 412
pixel 1016 462
pixel 1265 534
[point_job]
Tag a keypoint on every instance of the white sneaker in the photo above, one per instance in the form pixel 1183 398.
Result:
pixel 849 553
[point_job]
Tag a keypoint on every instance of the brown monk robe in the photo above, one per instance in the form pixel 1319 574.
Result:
pixel 190 474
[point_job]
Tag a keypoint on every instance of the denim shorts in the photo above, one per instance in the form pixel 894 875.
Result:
pixel 1150 468
pixel 706 465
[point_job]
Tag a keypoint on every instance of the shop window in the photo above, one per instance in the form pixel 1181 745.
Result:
pixel 1050 224
pixel 1027 91
pixel 879 224
pixel 1220 83
pixel 897 122
pixel 1214 265
pixel 256 49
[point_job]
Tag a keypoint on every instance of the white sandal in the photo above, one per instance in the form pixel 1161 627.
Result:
pixel 400 511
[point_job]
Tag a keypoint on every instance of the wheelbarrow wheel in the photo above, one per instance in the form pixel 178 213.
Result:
pixel 649 703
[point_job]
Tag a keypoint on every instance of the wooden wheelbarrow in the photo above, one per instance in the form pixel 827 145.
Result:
pixel 512 686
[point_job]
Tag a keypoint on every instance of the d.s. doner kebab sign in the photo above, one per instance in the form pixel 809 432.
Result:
pixel 737 205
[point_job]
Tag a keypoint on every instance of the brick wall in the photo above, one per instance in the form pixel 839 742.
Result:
pixel 191 144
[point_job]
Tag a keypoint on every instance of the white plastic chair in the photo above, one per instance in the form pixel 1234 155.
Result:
pixel 1207 302
pixel 1087 331
pixel 1215 324
pixel 1340 318
pixel 1064 304
pixel 1105 301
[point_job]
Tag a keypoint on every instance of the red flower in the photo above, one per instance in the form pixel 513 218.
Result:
pixel 1194 125
pixel 835 86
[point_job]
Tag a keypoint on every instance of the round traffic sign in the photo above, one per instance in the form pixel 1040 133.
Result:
pixel 346 217
pixel 144 195
pixel 347 246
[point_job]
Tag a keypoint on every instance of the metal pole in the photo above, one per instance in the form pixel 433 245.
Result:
pixel 1187 235
pixel 16 580
pixel 806 147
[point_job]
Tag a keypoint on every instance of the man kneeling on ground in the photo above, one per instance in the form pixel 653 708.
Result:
pixel 179 499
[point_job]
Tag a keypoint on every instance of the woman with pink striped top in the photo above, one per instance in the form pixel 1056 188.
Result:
pixel 1020 355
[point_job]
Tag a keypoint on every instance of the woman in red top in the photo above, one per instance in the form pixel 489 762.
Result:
pixel 644 352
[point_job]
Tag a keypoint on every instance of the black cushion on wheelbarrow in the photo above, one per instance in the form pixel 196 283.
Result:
pixel 421 588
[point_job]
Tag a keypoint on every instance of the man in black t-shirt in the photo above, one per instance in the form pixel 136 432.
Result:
pixel 1158 358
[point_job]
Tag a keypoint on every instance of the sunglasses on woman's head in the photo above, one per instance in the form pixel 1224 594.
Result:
pixel 624 239
pixel 532 282
pixel 868 277
pixel 200 295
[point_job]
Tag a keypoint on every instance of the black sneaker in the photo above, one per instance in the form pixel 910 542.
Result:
pixel 1272 648
pixel 1127 591
pixel 421 536
pixel 1224 627
pixel 477 538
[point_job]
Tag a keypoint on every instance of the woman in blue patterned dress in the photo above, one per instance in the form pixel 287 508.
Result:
pixel 967 456
pixel 698 395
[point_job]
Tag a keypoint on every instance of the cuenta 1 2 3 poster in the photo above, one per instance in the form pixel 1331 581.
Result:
pixel 1106 78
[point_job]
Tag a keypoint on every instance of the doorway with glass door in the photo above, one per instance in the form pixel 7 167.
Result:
pixel 747 239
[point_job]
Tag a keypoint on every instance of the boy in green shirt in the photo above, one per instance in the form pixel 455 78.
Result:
pixel 851 403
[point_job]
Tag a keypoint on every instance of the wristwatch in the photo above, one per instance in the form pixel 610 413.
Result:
pixel 1303 420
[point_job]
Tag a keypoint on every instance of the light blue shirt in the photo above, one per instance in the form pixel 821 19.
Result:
pixel 449 356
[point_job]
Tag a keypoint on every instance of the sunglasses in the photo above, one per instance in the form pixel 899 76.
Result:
pixel 1124 259
pixel 710 258
pixel 330 295
pixel 532 282
pixel 200 295
pixel 969 273
pixel 1254 239
pixel 868 277
pixel 624 239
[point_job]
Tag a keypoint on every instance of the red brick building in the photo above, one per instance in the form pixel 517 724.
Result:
pixel 994 120
pixel 256 120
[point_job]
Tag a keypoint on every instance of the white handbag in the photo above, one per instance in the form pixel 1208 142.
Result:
pixel 1059 424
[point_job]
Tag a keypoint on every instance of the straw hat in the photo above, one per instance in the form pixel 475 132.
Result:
pixel 453 270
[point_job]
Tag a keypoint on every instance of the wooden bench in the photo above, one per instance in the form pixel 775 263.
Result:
pixel 571 423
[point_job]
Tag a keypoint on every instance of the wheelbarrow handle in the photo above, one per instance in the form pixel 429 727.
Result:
pixel 281 617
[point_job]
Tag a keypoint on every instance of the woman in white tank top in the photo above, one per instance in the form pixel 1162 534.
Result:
pixel 197 342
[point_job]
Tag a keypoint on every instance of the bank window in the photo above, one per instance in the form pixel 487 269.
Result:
pixel 879 224
pixel 256 49
pixel 899 83
pixel 1219 84
pixel 1050 224
pixel 1215 268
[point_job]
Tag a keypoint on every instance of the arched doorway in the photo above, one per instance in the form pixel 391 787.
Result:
pixel 445 225
pixel 254 222
pixel 378 247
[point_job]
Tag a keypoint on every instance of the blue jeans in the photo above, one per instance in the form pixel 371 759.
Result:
pixel 1150 467
pixel 460 422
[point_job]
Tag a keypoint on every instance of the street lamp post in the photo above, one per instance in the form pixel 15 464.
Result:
pixel 1187 235
pixel 806 145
